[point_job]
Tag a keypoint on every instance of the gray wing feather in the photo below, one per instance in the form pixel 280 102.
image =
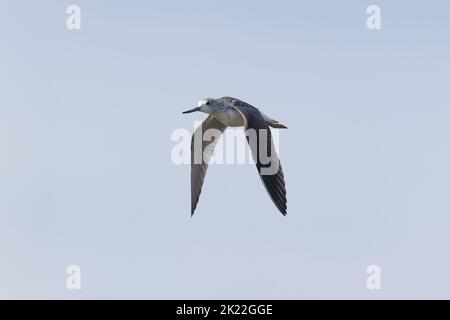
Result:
pixel 201 152
pixel 274 183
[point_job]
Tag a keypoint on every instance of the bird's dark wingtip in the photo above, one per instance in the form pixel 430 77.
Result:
pixel 193 211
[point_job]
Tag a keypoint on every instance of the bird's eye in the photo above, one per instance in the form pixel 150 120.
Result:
pixel 208 103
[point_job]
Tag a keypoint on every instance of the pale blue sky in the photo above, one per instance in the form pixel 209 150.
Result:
pixel 86 176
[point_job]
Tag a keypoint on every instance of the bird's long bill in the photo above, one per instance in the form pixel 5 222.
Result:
pixel 193 110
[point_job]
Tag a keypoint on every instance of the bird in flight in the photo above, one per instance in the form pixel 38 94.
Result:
pixel 231 112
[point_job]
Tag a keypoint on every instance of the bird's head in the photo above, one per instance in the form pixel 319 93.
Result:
pixel 205 105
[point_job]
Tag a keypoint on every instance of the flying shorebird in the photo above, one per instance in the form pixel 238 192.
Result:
pixel 230 112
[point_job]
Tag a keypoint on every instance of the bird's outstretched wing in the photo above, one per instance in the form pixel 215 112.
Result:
pixel 267 161
pixel 201 152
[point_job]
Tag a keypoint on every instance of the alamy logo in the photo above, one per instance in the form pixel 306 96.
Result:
pixel 73 281
pixel 373 282
pixel 229 147
pixel 73 22
pixel 374 19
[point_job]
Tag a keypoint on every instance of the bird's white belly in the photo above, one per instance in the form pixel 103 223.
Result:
pixel 230 118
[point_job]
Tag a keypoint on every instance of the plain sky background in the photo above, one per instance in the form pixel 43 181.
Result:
pixel 86 176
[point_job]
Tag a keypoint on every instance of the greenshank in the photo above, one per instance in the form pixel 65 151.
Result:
pixel 231 112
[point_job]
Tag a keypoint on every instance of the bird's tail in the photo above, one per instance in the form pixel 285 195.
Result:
pixel 276 124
